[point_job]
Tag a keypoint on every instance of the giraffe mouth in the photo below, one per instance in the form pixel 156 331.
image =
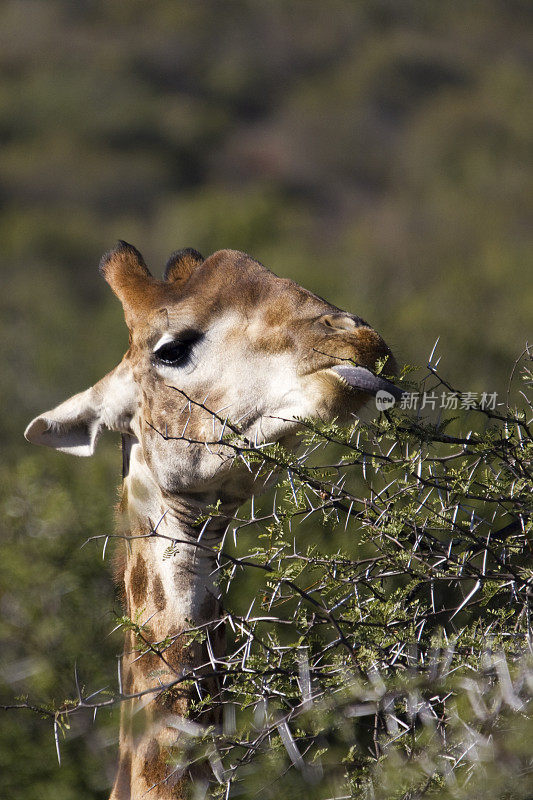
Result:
pixel 364 380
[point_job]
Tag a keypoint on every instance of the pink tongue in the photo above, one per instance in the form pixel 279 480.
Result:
pixel 363 379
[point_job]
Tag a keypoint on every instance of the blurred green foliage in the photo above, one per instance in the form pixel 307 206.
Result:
pixel 380 153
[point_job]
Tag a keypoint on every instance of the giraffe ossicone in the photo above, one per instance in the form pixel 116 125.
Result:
pixel 219 345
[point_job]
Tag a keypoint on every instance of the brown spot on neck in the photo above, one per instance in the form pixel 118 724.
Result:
pixel 129 682
pixel 158 593
pixel 155 768
pixel 139 580
pixel 123 780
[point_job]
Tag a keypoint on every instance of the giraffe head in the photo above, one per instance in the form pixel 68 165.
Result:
pixel 222 335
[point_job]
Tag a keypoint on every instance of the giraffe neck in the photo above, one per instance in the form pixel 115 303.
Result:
pixel 170 589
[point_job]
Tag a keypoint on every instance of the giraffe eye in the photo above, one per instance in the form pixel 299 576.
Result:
pixel 176 352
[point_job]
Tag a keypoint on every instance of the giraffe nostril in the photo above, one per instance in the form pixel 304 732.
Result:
pixel 343 322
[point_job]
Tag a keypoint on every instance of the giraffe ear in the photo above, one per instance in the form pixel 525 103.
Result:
pixel 182 264
pixel 128 276
pixel 124 269
pixel 75 425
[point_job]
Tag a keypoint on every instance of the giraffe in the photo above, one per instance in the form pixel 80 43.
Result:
pixel 217 339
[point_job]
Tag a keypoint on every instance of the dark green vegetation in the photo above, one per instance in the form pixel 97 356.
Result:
pixel 381 154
